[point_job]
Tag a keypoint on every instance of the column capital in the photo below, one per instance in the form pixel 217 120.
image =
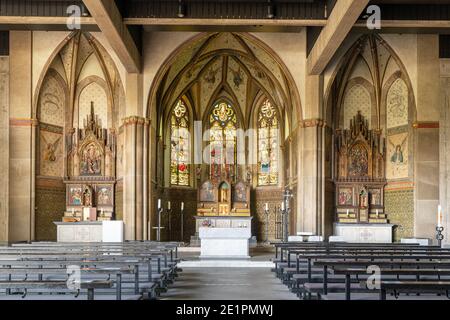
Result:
pixel 136 120
pixel 320 123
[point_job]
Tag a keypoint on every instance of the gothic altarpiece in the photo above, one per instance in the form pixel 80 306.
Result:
pixel 91 161
pixel 360 173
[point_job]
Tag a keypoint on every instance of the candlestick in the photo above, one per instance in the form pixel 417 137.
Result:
pixel 439 216
pixel 168 205
pixel 182 205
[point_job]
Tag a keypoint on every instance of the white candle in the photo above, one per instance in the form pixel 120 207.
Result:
pixel 267 206
pixel 182 205
pixel 168 205
pixel 348 214
pixel 377 213
pixel 282 205
pixel 159 203
pixel 439 216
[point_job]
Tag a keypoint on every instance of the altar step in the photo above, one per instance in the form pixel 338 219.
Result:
pixel 210 263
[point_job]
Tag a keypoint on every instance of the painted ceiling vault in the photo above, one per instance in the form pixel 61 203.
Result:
pixel 224 65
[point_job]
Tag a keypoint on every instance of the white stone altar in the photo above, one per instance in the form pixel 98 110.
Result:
pixel 228 243
pixel 90 231
pixel 223 222
pixel 364 232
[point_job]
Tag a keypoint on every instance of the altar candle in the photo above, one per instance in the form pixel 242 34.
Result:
pixel 267 206
pixel 73 211
pixel 282 206
pixel 182 205
pixel 159 203
pixel 439 216
pixel 377 213
pixel 168 205
pixel 348 214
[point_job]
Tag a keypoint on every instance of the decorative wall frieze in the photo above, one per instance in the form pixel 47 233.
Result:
pixel 51 128
pixel 23 122
pixel 426 125
pixel 320 123
pixel 136 120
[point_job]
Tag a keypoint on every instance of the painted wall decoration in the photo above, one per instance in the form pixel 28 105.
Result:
pixel 397 159
pixel 397 104
pixel 93 92
pixel 52 100
pixel 357 98
pixel 400 206
pixel 51 154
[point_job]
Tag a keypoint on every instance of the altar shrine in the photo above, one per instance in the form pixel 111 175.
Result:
pixel 360 181
pixel 90 186
pixel 223 205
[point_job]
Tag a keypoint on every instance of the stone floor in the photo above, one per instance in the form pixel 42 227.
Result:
pixel 220 283
pixel 227 284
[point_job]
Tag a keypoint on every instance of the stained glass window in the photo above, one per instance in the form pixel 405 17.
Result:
pixel 222 123
pixel 179 145
pixel 268 134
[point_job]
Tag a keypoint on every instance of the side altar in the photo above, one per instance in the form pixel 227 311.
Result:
pixel 359 181
pixel 90 184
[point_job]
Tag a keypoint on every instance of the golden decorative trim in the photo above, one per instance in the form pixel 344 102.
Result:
pixel 23 122
pixel 426 125
pixel 312 123
pixel 136 120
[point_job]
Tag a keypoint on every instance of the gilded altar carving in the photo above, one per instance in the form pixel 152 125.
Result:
pixel 360 173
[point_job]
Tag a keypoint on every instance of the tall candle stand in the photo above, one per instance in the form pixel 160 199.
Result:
pixel 439 235
pixel 169 222
pixel 286 198
pixel 182 224
pixel 158 228
pixel 267 212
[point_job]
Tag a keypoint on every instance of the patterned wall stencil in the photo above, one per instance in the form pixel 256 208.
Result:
pixel 51 154
pixel 93 92
pixel 397 104
pixel 399 205
pixel 397 156
pixel 260 196
pixel 50 204
pixel 51 102
pixel 357 98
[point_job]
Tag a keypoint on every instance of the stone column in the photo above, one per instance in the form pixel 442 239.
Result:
pixel 4 147
pixel 444 147
pixel 310 217
pixel 135 213
pixel 426 136
pixel 21 139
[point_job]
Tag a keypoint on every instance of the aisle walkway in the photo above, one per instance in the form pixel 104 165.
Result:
pixel 227 284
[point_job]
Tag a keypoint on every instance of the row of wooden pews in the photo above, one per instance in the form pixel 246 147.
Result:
pixel 345 271
pixel 131 270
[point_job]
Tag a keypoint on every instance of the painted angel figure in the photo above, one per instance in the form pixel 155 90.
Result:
pixel 50 149
pixel 397 156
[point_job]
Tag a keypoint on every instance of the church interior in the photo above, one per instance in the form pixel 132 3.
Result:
pixel 286 145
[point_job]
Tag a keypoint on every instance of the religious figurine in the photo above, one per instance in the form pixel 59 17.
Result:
pixel 363 203
pixel 87 197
